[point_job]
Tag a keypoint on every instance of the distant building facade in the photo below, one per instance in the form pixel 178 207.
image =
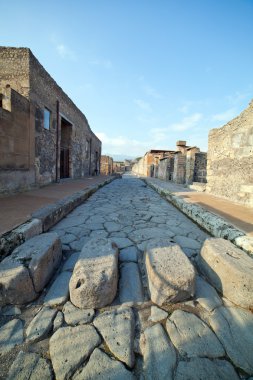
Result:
pixel 184 165
pixel 43 136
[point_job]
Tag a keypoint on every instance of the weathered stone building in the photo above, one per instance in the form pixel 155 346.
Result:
pixel 43 135
pixel 184 165
pixel 106 165
pixel 230 159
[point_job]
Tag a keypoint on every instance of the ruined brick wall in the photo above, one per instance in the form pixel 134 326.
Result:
pixel 230 159
pixel 16 142
pixel 141 167
pixel 14 69
pixel 200 165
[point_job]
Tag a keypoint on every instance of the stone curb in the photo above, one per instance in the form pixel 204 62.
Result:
pixel 212 223
pixel 45 218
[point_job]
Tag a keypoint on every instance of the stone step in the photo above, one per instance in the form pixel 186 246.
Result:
pixel 229 270
pixel 29 268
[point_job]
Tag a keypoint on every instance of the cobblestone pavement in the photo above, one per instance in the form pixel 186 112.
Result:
pixel 202 337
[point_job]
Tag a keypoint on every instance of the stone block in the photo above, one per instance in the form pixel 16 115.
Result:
pixel 95 276
pixel 29 268
pixel 229 270
pixel 171 276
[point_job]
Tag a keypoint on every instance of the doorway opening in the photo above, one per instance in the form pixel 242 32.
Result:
pixel 65 156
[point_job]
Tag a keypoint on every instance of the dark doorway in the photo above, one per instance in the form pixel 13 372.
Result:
pixel 65 157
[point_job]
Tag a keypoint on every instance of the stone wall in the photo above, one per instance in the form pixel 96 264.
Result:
pixel 16 142
pixel 85 147
pixel 14 69
pixel 22 71
pixel 179 168
pixel 230 159
pixel 200 167
pixel 106 165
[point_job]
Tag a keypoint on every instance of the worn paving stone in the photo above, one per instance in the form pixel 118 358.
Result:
pixel 203 368
pixel 157 314
pixel 112 226
pixel 234 328
pixel 121 242
pixel 171 276
pixel 229 270
pixel 128 254
pixel 159 355
pixel 117 329
pixel 11 335
pixel 95 276
pixel 130 286
pixel 186 242
pixel 58 321
pixel 41 324
pixel 68 238
pixel 71 262
pixel 10 310
pixel 102 367
pixel 192 337
pixel 148 233
pixel 206 295
pixel 30 366
pixel 59 290
pixel 74 316
pixel 69 347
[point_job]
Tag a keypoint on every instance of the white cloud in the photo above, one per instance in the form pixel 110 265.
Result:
pixel 104 63
pixel 120 144
pixel 225 116
pixel 65 52
pixel 152 92
pixel 187 122
pixel 143 105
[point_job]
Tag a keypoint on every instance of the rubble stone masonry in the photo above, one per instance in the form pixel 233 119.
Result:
pixel 230 159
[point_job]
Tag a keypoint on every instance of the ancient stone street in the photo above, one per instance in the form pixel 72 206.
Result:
pixel 129 299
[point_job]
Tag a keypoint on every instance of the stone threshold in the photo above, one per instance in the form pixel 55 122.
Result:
pixel 215 225
pixel 45 218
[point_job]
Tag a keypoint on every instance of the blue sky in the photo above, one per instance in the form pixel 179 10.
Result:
pixel 145 73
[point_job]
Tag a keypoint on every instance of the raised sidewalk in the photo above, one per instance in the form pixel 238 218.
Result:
pixel 24 215
pixel 220 217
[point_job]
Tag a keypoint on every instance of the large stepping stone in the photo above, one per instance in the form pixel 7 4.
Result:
pixel 29 268
pixel 70 347
pixel 229 270
pixel 58 293
pixel 234 328
pixel 171 276
pixel 74 316
pixel 95 276
pixel 192 337
pixel 203 368
pixel 159 354
pixel 117 329
pixel 41 324
pixel 30 366
pixel 130 286
pixel 102 367
pixel 11 335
